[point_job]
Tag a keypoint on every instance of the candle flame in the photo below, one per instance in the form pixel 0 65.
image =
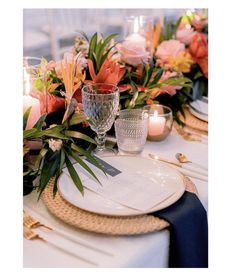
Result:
pixel 155 114
pixel 136 25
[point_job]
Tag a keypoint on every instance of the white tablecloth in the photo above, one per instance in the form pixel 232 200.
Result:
pixel 149 250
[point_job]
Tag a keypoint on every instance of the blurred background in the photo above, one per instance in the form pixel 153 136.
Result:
pixel 50 32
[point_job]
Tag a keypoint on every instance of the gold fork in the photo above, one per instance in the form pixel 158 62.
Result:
pixel 31 223
pixel 30 234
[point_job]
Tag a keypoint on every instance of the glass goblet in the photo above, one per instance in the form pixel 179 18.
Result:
pixel 100 104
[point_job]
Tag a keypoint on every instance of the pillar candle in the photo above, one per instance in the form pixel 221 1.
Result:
pixel 156 124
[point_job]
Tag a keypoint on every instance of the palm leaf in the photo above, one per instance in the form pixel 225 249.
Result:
pixel 40 121
pixel 79 135
pixel 49 169
pixel 82 163
pixel 91 158
pixel 29 133
pixel 76 179
pixel 62 161
pixel 92 46
pixel 102 47
pixel 25 117
pixel 77 118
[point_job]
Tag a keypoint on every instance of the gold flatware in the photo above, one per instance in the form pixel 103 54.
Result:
pixel 184 169
pixel 183 159
pixel 29 234
pixel 30 222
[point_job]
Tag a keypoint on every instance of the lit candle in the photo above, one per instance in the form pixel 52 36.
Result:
pixel 156 124
pixel 135 40
pixel 29 101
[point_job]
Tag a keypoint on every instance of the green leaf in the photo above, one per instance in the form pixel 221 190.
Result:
pixel 157 77
pixel 134 87
pixel 62 158
pixel 40 121
pixel 76 179
pixel 181 81
pixel 148 75
pixel 197 75
pixel 25 117
pixel 79 135
pixel 38 83
pixel 77 118
pixel 92 46
pixel 91 158
pixel 62 161
pixel 49 169
pixel 178 22
pixel 53 132
pixel 40 156
pixel 101 49
pixel 29 133
pixel 144 73
pixel 82 163
pixel 105 55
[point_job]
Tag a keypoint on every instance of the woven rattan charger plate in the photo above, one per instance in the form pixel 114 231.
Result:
pixel 85 220
pixel 193 122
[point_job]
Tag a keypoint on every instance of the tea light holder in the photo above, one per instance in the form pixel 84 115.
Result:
pixel 159 122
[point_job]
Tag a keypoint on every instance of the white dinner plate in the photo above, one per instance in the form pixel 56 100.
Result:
pixel 201 109
pixel 149 172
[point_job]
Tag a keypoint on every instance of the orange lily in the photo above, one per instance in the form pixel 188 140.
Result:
pixel 110 72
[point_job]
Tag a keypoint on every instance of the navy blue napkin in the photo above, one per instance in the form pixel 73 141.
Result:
pixel 188 232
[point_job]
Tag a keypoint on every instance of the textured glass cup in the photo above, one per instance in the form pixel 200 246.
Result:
pixel 131 130
pixel 100 104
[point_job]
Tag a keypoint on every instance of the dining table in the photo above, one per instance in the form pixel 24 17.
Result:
pixel 148 250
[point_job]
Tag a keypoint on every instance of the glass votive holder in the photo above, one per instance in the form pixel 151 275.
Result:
pixel 131 130
pixel 34 84
pixel 160 122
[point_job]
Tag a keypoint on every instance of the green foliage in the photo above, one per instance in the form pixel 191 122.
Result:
pixel 99 49
pixel 49 163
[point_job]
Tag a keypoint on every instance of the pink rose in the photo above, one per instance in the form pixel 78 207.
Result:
pixel 170 48
pixel 185 33
pixel 131 54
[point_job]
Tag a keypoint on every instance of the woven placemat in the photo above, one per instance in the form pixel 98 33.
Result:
pixel 192 121
pixel 112 225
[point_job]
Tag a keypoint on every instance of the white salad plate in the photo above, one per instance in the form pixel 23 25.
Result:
pixel 142 177
pixel 199 108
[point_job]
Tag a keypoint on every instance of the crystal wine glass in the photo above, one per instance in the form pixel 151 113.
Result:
pixel 100 104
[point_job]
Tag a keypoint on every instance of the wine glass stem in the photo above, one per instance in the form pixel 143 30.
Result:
pixel 100 139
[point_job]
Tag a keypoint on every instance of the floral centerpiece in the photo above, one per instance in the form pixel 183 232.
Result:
pixel 171 71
